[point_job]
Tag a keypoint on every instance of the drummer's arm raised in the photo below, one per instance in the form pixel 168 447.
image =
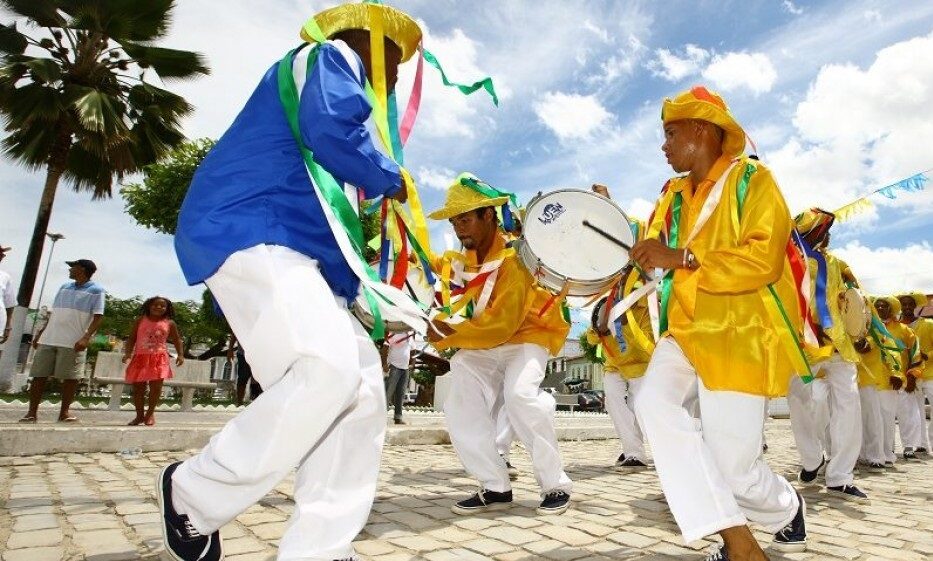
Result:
pixel 496 325
pixel 758 258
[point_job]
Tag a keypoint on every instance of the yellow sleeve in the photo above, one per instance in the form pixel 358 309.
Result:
pixel 498 322
pixel 758 258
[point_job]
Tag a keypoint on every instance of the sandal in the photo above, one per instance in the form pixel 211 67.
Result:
pixel 69 419
pixel 28 419
pixel 136 421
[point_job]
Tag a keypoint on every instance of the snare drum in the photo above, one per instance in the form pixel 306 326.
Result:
pixel 416 286
pixel 856 313
pixel 560 251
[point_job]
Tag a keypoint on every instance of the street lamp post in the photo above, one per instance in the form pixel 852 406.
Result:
pixel 35 318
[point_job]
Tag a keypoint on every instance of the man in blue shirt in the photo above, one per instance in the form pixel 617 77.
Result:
pixel 266 239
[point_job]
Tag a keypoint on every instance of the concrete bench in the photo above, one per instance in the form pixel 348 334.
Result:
pixel 568 400
pixel 190 376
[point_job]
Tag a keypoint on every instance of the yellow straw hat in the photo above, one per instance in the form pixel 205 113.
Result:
pixel 919 298
pixel 809 220
pixel 462 198
pixel 398 26
pixel 893 302
pixel 701 104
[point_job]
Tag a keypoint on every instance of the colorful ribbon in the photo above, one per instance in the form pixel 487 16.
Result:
pixel 485 83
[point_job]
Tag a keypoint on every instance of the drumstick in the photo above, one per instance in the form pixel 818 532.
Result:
pixel 607 235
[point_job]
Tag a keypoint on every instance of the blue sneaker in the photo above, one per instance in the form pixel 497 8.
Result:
pixel 808 477
pixel 849 493
pixel 182 541
pixel 793 537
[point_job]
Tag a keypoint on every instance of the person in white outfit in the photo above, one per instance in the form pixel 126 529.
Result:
pixel 508 328
pixel 7 300
pixel 270 231
pixel 720 232
pixel 923 329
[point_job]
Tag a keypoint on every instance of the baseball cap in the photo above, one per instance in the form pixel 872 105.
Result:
pixel 89 267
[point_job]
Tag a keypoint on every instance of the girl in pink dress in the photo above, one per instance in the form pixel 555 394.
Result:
pixel 150 364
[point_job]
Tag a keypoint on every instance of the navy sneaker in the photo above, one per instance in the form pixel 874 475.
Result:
pixel 849 493
pixel 555 502
pixel 182 541
pixel 910 454
pixel 793 537
pixel 718 555
pixel 620 459
pixel 808 477
pixel 876 467
pixel 922 451
pixel 632 464
pixel 482 501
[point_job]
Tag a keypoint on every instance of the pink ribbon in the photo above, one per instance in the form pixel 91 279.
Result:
pixel 414 101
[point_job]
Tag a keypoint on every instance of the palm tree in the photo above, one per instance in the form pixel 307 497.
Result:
pixel 79 104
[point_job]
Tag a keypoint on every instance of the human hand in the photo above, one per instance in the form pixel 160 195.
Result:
pixel 126 358
pixel 179 360
pixel 438 330
pixel 82 344
pixel 862 346
pixel 407 183
pixel 601 189
pixel 651 254
pixel 896 383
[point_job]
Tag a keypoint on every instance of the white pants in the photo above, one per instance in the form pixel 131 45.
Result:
pixel 711 469
pixel 908 419
pixel 928 392
pixel 620 404
pixel 872 426
pixel 888 399
pixel 845 420
pixel 505 434
pixel 322 411
pixel 515 372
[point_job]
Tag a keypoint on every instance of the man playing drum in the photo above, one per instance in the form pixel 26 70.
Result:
pixel 503 343
pixel 726 229
pixel 835 368
pixel 923 328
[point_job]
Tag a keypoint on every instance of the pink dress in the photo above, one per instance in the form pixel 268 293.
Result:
pixel 150 356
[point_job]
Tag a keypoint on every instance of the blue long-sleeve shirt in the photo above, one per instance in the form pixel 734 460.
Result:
pixel 253 187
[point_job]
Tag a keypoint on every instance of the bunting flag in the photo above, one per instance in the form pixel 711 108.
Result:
pixel 913 183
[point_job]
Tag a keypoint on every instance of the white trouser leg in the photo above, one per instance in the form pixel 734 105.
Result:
pixel 711 471
pixel 908 420
pixel 888 399
pixel 821 412
pixel 620 404
pixel 872 425
pixel 845 421
pixel 928 392
pixel 920 398
pixel 475 386
pixel 275 300
pixel 531 412
pixel 803 423
pixel 504 433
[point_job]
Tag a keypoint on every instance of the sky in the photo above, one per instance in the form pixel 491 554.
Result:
pixel 836 96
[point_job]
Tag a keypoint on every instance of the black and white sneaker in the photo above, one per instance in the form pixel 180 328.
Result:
pixel 620 459
pixel 718 555
pixel 555 502
pixel 808 477
pixel 909 454
pixel 849 493
pixel 793 537
pixel 922 451
pixel 889 465
pixel 876 467
pixel 632 464
pixel 482 501
pixel 182 540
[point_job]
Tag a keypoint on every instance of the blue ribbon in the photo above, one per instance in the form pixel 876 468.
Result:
pixel 822 306
pixel 878 325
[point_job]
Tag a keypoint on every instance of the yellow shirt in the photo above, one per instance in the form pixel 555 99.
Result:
pixel 872 370
pixel 716 313
pixel 512 314
pixel 905 359
pixel 836 271
pixel 923 328
pixel 632 362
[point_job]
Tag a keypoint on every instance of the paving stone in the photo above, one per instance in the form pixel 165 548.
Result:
pixel 36 538
pixel 35 522
pixel 34 554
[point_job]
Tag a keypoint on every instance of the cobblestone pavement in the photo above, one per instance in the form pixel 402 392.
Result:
pixel 101 507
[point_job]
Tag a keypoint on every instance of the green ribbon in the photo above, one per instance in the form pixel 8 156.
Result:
pixel 329 188
pixel 485 83
pixel 668 279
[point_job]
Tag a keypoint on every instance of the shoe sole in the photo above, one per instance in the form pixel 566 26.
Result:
pixel 546 511
pixel 848 497
pixel 632 468
pixel 456 509
pixel 168 550
pixel 789 547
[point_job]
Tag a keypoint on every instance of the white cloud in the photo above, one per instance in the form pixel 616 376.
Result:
pixel 571 116
pixel 735 71
pixel 599 32
pixel 435 177
pixel 675 67
pixel 624 61
pixel 791 8
pixel 872 16
pixel 889 270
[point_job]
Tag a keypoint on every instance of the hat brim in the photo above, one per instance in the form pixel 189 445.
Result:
pixel 446 212
pixel 398 26
pixel 733 143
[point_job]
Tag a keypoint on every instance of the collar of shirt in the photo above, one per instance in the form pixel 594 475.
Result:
pixel 498 245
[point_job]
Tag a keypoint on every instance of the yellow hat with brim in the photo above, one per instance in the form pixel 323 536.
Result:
pixel 919 298
pixel 398 26
pixel 809 220
pixel 462 198
pixel 701 104
pixel 893 302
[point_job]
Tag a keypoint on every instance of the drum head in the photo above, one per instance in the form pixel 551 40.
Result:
pixel 555 234
pixel 856 314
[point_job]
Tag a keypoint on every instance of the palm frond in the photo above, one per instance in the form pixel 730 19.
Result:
pixel 87 171
pixel 121 19
pixel 44 69
pixel 168 63
pixel 30 145
pixel 99 112
pixel 31 104
pixel 43 12
pixel 11 40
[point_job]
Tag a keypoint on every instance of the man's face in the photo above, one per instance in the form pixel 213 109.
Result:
pixel 473 228
pixel 907 307
pixel 77 273
pixel 681 143
pixel 884 309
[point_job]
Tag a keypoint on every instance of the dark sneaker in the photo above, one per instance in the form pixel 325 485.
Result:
pixel 876 467
pixel 793 537
pixel 889 465
pixel 483 501
pixel 764 448
pixel 910 455
pixel 620 459
pixel 718 555
pixel 555 502
pixel 808 477
pixel 399 421
pixel 632 464
pixel 922 451
pixel 182 541
pixel 513 471
pixel 849 493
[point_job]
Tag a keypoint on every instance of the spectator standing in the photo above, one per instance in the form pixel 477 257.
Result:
pixel 244 372
pixel 61 346
pixel 150 361
pixel 8 299
pixel 398 358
